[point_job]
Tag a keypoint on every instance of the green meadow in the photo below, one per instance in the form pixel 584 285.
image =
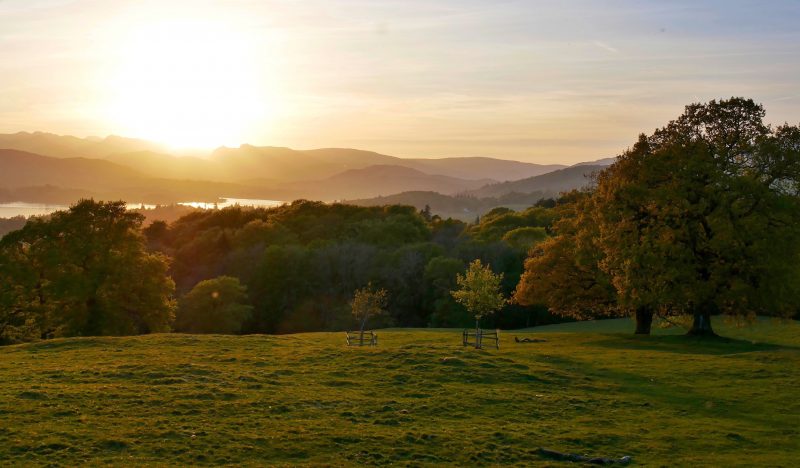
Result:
pixel 418 399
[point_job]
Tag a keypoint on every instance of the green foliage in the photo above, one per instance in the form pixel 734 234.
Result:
pixel 302 262
pixel 368 302
pixel 214 306
pixel 563 271
pixel 479 290
pixel 439 279
pixel 701 217
pixel 497 223
pixel 84 271
pixel 525 237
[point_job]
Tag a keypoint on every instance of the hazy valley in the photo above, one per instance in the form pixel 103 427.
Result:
pixel 46 168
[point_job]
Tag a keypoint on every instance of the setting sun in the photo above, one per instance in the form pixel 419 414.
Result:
pixel 194 83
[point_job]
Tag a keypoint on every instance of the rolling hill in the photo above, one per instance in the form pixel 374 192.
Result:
pixel 168 166
pixel 470 203
pixel 464 208
pixel 479 167
pixel 36 178
pixel 46 167
pixel 599 162
pixel 308 400
pixel 378 180
pixel 555 182
pixel 22 169
pixel 274 163
pixel 66 146
pixel 258 162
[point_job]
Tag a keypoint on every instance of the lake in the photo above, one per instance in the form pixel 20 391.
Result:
pixel 226 202
pixel 9 210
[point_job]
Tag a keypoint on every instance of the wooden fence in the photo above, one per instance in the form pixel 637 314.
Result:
pixel 476 337
pixel 366 338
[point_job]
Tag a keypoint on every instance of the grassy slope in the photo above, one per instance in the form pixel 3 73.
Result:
pixel 419 398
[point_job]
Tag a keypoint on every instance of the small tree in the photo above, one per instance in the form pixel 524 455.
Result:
pixel 479 291
pixel 368 302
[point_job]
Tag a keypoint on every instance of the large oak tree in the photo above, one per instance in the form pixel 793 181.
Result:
pixel 563 271
pixel 701 217
pixel 85 271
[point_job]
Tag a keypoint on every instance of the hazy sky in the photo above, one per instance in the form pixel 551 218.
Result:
pixel 542 81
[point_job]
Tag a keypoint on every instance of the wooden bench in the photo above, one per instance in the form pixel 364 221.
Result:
pixel 475 338
pixel 366 338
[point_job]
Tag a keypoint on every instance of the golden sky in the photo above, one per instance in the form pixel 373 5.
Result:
pixel 540 81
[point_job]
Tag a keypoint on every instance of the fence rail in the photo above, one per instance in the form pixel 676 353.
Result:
pixel 366 338
pixel 476 337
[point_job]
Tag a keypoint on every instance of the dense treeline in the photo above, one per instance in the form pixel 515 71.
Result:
pixel 93 270
pixel 301 263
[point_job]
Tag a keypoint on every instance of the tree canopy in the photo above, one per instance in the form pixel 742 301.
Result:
pixel 479 290
pixel 563 271
pixel 217 305
pixel 85 271
pixel 368 302
pixel 701 217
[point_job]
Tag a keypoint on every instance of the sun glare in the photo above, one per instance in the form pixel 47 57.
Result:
pixel 186 83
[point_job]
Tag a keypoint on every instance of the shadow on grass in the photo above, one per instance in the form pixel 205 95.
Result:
pixel 67 344
pixel 638 390
pixel 683 344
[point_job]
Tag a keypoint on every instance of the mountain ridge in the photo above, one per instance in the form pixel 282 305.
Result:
pixel 269 172
pixel 234 164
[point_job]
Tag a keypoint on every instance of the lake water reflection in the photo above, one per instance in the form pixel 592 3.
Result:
pixel 12 209
pixel 226 202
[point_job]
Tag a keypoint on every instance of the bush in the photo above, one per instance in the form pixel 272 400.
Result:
pixel 214 306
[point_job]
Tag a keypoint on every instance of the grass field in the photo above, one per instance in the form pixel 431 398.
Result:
pixel 417 399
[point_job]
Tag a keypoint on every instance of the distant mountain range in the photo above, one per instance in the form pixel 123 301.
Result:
pixel 258 162
pixel 284 164
pixel 517 194
pixel 554 182
pixel 44 167
pixel 35 178
pixel 384 179
pixel 599 162
pixel 22 168
pixel 66 146
pixel 105 179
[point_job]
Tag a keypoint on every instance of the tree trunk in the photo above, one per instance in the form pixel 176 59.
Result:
pixel 477 332
pixel 361 331
pixel 644 320
pixel 701 326
pixel 92 325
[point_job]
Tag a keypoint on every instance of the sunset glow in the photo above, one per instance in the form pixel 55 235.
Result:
pixel 189 83
pixel 539 81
